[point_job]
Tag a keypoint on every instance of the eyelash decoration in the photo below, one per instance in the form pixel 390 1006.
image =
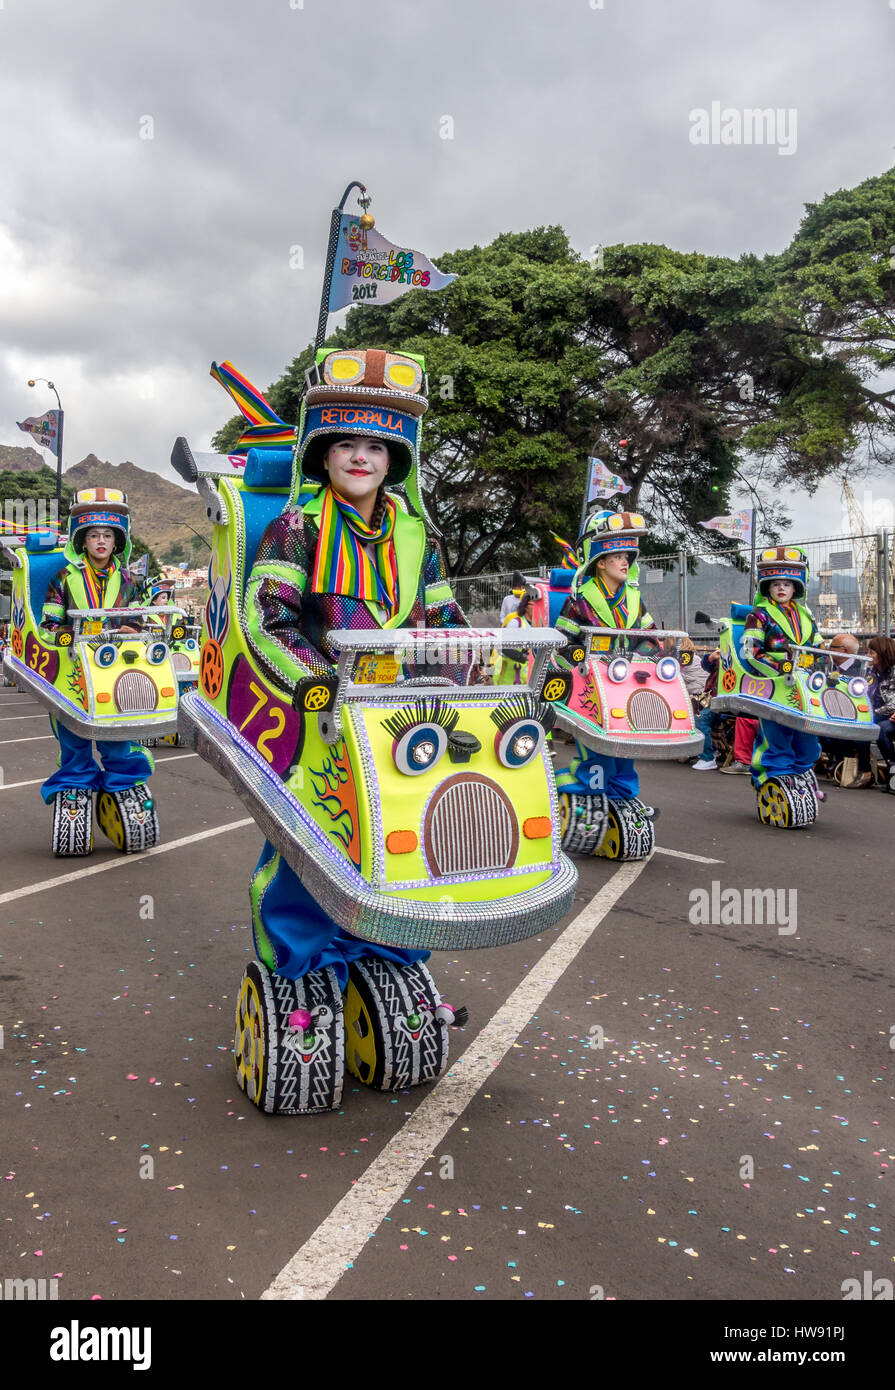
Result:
pixel 516 707
pixel 430 711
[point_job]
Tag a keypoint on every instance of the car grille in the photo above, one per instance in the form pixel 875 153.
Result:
pixel 838 705
pixel 647 710
pixel 181 661
pixel 470 827
pixel 134 692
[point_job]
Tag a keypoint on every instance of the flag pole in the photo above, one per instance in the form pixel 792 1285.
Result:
pixel 331 249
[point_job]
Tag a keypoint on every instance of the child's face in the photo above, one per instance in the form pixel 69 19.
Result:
pixel 356 467
pixel 782 590
pixel 614 566
pixel 99 543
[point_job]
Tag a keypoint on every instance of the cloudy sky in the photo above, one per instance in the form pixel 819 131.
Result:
pixel 160 162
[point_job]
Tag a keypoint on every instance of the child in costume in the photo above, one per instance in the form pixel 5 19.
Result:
pixel 96 576
pixel 780 619
pixel 604 593
pixel 356 555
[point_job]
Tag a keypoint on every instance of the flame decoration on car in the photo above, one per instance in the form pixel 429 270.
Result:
pixel 217 613
pixel 335 793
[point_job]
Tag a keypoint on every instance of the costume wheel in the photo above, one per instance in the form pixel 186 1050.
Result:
pixel 73 822
pixel 629 831
pixel 396 1028
pixel 129 818
pixel 583 822
pixel 289 1044
pixel 788 802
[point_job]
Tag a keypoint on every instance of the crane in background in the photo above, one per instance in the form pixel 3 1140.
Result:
pixel 866 550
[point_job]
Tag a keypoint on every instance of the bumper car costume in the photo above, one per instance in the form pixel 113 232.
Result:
pixel 403 811
pixel 627 698
pixel 97 683
pixel 184 645
pixel 774 669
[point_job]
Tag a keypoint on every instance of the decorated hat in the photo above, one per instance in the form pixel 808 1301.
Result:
pixel 782 562
pixel 99 506
pixel 605 532
pixel 367 393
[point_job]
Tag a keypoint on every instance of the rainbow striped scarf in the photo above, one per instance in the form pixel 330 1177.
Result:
pixel 95 582
pixel 618 605
pixel 343 565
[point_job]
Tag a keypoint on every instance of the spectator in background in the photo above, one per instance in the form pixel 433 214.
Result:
pixel 881 651
pixel 743 743
pixel 707 719
pixel 844 647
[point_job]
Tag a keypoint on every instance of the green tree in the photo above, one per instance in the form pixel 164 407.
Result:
pixel 703 364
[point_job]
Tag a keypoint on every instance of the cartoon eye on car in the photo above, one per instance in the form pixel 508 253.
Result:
pixel 98 682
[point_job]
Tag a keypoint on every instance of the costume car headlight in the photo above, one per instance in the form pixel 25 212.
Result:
pixel 106 654
pixel 667 668
pixel 618 670
pixel 816 681
pixel 520 742
pixel 192 645
pixel 157 653
pixel 420 749
pixel 858 686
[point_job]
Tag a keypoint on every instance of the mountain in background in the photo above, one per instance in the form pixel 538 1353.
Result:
pixel 158 508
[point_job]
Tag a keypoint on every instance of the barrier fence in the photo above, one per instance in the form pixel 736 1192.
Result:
pixel 850 588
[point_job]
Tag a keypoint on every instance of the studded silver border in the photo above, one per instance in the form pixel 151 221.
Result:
pixel 793 719
pixel 116 731
pixel 338 888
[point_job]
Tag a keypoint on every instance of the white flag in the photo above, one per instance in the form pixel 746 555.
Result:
pixel 602 482
pixel 370 270
pixel 44 428
pixel 737 526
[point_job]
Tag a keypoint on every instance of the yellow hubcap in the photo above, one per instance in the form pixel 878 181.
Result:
pixel 248 1047
pixel 360 1037
pixel 110 820
pixel 773 807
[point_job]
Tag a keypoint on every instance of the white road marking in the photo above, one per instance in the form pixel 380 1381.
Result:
pixel 36 781
pixel 13 718
pixel 118 863
pixel 317 1267
pixel 38 739
pixel 679 854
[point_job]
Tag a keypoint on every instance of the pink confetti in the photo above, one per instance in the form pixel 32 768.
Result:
pixel 131 1077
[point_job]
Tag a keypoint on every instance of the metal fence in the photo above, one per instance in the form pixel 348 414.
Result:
pixel 851 581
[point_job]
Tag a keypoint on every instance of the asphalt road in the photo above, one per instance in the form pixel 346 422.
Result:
pixel 642 1106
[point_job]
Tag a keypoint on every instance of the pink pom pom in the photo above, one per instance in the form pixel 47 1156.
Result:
pixel 300 1018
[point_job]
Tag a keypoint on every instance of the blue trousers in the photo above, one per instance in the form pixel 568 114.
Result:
pixel 593 773
pixel 293 935
pixel 780 750
pixel 124 764
pixel 705 720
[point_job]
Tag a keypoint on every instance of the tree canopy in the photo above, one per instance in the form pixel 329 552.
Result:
pixel 538 358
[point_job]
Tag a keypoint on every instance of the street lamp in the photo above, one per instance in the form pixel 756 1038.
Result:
pixel 33 382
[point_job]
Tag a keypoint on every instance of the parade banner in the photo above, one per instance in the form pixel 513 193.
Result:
pixel 737 526
pixel 370 270
pixel 44 428
pixel 602 482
